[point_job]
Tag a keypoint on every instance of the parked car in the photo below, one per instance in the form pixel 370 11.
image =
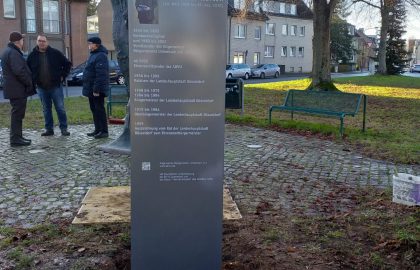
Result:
pixel 238 71
pixel 115 76
pixel 415 68
pixel 1 75
pixel 265 70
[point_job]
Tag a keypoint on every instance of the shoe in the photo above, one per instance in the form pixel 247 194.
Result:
pixel 101 135
pixel 19 142
pixel 25 139
pixel 48 133
pixel 91 134
pixel 65 132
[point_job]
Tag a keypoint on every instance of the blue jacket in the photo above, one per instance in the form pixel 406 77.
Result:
pixel 96 73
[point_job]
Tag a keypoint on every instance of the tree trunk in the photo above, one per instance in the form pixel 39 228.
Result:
pixel 120 35
pixel 383 39
pixel 321 68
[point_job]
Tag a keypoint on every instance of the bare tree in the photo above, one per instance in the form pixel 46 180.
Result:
pixel 385 8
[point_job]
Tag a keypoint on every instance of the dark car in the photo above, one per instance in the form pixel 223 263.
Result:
pixel 1 75
pixel 115 76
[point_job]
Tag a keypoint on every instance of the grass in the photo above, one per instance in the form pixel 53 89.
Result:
pixel 77 108
pixel 393 114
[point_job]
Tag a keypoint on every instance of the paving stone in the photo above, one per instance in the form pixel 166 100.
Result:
pixel 288 171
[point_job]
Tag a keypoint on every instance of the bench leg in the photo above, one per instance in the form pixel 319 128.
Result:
pixel 269 116
pixel 341 126
pixel 291 115
pixel 364 113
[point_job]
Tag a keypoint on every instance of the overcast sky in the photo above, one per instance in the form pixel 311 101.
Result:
pixel 369 20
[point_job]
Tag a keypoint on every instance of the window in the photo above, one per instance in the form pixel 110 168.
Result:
pixel 301 51
pixel 256 58
pixel 270 29
pixel 284 29
pixel 283 8
pixel 293 9
pixel 66 19
pixel 9 9
pixel 302 31
pixel 30 16
pixel 240 31
pixel 238 57
pixel 286 8
pixel 269 51
pixel 351 30
pixel 292 69
pixel 51 18
pixel 293 30
pixel 257 33
pixel 300 70
pixel 284 51
pixel 293 51
pixel 239 4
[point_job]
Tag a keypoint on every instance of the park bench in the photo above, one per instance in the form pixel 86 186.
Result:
pixel 325 103
pixel 118 94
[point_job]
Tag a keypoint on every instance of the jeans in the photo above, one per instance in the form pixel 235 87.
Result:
pixel 48 97
pixel 16 119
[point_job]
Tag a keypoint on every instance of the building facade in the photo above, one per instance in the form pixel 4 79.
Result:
pixel 105 19
pixel 63 21
pixel 414 51
pixel 276 32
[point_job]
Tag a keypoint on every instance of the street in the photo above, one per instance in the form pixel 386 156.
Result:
pixel 74 91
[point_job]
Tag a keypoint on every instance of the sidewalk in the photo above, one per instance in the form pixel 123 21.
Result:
pixel 49 179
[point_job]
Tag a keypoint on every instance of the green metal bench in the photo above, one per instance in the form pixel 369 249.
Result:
pixel 118 94
pixel 333 104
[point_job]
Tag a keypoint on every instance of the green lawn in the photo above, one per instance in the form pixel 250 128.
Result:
pixel 393 114
pixel 77 108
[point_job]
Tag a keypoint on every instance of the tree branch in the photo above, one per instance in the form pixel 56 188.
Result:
pixel 367 3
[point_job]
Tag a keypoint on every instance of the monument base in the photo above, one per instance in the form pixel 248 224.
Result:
pixel 103 205
pixel 122 144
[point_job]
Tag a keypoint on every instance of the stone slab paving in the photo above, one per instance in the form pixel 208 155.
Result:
pixel 49 179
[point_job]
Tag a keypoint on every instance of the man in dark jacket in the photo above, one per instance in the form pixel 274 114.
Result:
pixel 95 85
pixel 17 86
pixel 49 69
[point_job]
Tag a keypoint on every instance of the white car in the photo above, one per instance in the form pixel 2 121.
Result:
pixel 238 71
pixel 415 68
pixel 265 70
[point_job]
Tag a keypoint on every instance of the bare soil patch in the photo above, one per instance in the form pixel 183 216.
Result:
pixel 349 228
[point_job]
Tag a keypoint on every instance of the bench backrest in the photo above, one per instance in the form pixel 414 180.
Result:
pixel 337 102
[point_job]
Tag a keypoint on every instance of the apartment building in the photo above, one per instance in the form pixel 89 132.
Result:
pixel 366 51
pixel 63 21
pixel 414 51
pixel 278 32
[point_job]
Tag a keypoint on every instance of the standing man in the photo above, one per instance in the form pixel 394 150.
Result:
pixel 95 86
pixel 17 86
pixel 49 69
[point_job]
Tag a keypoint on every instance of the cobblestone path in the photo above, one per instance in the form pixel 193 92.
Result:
pixel 49 179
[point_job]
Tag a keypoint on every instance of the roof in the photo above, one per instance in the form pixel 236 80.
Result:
pixel 248 15
pixel 302 10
